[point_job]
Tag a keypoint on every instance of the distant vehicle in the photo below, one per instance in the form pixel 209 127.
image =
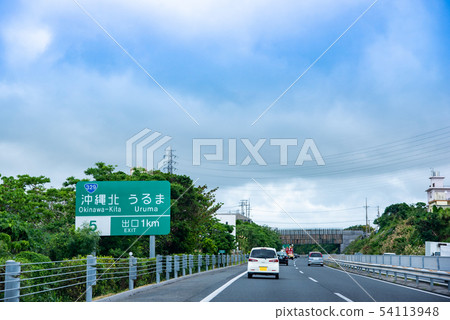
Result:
pixel 283 258
pixel 315 258
pixel 290 252
pixel 263 261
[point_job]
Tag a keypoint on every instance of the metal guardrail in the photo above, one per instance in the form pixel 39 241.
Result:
pixel 47 277
pixel 417 274
pixel 423 262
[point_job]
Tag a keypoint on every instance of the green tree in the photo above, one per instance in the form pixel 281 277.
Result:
pixel 192 208
pixel 217 236
pixel 41 220
pixel 404 230
pixel 249 235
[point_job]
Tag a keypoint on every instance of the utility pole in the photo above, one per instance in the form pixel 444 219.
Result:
pixel 367 221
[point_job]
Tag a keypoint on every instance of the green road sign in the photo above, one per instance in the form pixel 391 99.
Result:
pixel 117 208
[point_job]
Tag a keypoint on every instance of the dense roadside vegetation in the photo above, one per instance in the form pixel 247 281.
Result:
pixel 403 229
pixel 249 235
pixel 41 220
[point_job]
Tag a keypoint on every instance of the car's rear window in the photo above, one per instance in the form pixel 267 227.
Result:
pixel 315 254
pixel 263 253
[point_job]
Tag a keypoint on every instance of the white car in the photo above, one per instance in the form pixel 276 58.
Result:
pixel 263 261
pixel 315 258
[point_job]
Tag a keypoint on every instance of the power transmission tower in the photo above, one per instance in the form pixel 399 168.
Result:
pixel 245 208
pixel 169 162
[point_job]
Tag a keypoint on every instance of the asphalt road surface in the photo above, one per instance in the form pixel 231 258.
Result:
pixel 297 283
pixel 300 283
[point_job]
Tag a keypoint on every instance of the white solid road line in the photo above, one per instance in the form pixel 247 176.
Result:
pixel 217 291
pixel 343 297
pixel 312 279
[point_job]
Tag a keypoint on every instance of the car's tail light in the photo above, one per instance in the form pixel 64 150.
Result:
pixel 273 260
pixel 252 260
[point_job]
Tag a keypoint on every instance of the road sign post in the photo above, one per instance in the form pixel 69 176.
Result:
pixel 152 247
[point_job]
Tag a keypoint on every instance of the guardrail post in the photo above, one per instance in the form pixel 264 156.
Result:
pixel 132 273
pixel 12 281
pixel 91 274
pixel 168 266
pixel 207 261
pixel 184 263
pixel 191 263
pixel 159 267
pixel 176 266
pixel 438 263
pixel 213 261
pixel 199 262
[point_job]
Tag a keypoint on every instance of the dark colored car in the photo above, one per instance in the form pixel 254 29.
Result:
pixel 283 258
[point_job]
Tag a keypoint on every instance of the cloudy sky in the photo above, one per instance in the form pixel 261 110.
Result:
pixel 80 78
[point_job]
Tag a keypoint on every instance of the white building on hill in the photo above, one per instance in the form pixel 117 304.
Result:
pixel 438 195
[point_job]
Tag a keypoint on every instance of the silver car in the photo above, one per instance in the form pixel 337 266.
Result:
pixel 315 258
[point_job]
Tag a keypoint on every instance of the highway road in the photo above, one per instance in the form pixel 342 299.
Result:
pixel 300 283
pixel 297 283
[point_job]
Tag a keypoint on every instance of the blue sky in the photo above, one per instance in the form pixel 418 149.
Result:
pixel 376 104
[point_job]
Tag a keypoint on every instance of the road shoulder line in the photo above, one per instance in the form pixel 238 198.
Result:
pixel 223 287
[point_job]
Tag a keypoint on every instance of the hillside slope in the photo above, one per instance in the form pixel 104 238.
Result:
pixel 403 229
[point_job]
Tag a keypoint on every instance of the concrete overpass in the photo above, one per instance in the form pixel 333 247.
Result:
pixel 321 236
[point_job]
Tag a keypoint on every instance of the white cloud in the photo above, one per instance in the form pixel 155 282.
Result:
pixel 25 44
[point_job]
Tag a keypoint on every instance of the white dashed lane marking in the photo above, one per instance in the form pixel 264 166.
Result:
pixel 343 297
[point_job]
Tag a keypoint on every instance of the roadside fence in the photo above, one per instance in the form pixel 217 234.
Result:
pixel 439 263
pixel 83 279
